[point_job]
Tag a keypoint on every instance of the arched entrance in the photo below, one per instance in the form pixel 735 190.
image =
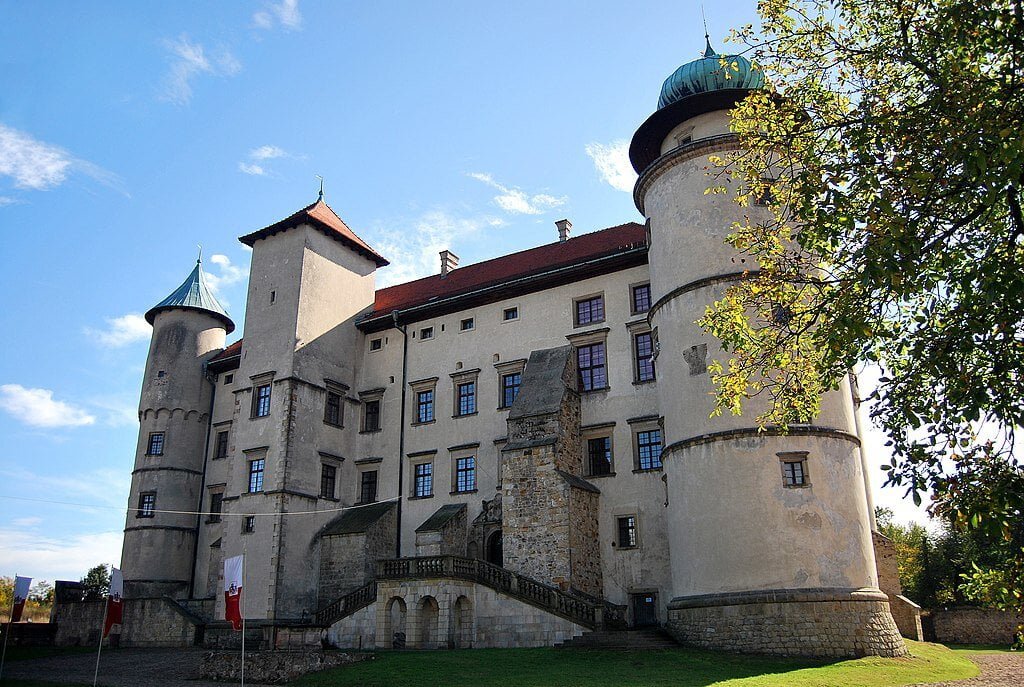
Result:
pixel 396 622
pixel 494 555
pixel 428 617
pixel 461 627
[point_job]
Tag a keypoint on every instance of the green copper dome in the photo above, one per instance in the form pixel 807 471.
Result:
pixel 708 74
pixel 193 294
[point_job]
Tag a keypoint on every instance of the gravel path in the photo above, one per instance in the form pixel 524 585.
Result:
pixel 997 670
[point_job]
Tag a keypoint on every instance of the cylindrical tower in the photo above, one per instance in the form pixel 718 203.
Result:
pixel 189 326
pixel 770 539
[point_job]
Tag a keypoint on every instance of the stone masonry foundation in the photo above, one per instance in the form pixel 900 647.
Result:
pixel 815 623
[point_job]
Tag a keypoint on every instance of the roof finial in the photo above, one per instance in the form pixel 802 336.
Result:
pixel 708 51
pixel 199 260
pixel 321 196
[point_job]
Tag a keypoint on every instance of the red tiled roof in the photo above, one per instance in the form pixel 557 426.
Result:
pixel 232 350
pixel 321 216
pixel 516 265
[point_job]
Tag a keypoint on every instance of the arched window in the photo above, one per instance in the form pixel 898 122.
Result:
pixel 494 555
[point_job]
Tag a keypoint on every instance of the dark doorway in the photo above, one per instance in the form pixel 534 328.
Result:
pixel 645 610
pixel 494 555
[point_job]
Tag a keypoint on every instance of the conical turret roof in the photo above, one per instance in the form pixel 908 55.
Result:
pixel 193 294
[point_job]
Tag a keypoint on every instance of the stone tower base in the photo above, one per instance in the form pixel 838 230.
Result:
pixel 837 623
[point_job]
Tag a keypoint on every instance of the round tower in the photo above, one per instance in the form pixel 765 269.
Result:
pixel 189 326
pixel 770 539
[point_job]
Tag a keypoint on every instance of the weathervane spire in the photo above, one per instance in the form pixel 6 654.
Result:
pixel 321 196
pixel 200 258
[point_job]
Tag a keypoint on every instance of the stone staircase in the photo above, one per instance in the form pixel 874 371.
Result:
pixel 627 640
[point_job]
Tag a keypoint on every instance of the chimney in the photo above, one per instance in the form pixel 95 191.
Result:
pixel 564 227
pixel 449 261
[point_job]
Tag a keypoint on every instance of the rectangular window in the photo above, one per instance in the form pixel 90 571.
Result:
pixel 590 310
pixel 466 324
pixel 376 344
pixel 426 333
pixel 510 314
pixel 510 388
pixel 216 505
pixel 641 298
pixel 221 450
pixel 627 532
pixel 467 398
pixel 794 470
pixel 371 416
pixel 147 505
pixel 328 476
pixel 249 524
pixel 591 363
pixel 643 351
pixel 261 401
pixel 368 486
pixel 465 474
pixel 648 449
pixel 332 411
pixel 599 456
pixel 425 406
pixel 228 379
pixel 156 444
pixel 423 480
pixel 256 468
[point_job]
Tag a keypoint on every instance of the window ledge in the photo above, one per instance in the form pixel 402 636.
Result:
pixel 420 498
pixel 466 415
pixel 641 470
pixel 154 455
pixel 641 382
pixel 370 431
pixel 626 548
pixel 606 474
pixel 797 486
pixel 595 391
pixel 258 417
pixel 334 424
pixel 211 521
pixel 467 491
pixel 420 424
pixel 329 498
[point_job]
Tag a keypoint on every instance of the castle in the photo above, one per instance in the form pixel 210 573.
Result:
pixel 509 453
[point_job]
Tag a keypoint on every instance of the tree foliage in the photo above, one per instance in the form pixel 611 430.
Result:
pixel 96 582
pixel 888 146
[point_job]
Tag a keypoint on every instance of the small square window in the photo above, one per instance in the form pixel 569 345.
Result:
pixel 371 415
pixel 466 324
pixel 376 344
pixel 641 298
pixel 590 310
pixel 328 477
pixel 161 374
pixel 465 474
pixel 423 480
pixel 249 524
pixel 794 470
pixel 261 401
pixel 333 409
pixel 426 333
pixel 599 456
pixel 627 532
pixel 510 314
pixel 221 449
pixel 368 486
pixel 156 444
pixel 147 505
pixel 228 379
pixel 256 468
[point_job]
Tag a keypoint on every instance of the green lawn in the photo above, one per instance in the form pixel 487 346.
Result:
pixel 676 667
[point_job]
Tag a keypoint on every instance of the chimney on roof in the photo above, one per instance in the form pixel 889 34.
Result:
pixel 449 261
pixel 564 228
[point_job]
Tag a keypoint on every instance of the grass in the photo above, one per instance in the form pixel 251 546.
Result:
pixel 676 667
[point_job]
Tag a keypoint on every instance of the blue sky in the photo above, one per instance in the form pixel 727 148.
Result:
pixel 131 132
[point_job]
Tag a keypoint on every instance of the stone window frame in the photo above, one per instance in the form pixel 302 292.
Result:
pixel 157 440
pixel 460 379
pixel 632 297
pixel 459 453
pixel 252 455
pixel 506 369
pixel 249 524
pixel 636 329
pixel 426 333
pixel 361 483
pixel 418 387
pixel 340 391
pixel 214 514
pixel 467 324
pixel 646 423
pixel 620 520
pixel 590 297
pixel 147 505
pixel 365 398
pixel 604 430
pixel 375 345
pixel 264 380
pixel 590 339
pixel 229 379
pixel 328 478
pixel 510 314
pixel 223 432
pixel 793 458
pixel 417 460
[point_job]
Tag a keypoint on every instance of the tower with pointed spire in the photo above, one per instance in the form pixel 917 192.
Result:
pixel 189 327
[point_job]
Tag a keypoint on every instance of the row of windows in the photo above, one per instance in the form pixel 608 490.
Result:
pixel 465 398
pixel 600 461
pixel 592 362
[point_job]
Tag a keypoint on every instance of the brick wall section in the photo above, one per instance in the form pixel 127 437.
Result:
pixel 966 625
pixel 147 623
pixel 585 542
pixel 905 612
pixel 349 561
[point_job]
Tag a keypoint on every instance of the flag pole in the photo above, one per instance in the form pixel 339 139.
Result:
pixel 241 611
pixel 99 647
pixel 10 622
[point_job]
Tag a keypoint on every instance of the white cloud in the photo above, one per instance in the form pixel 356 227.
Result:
pixel 515 200
pixel 51 557
pixel 37 407
pixel 266 153
pixel 26 522
pixel 227 274
pixel 36 165
pixel 118 411
pixel 414 253
pixel 189 60
pixel 259 155
pixel 121 331
pixel 286 13
pixel 7 200
pixel 254 170
pixel 612 163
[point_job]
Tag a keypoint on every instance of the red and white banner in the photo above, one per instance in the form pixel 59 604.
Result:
pixel 233 591
pixel 115 601
pixel 21 586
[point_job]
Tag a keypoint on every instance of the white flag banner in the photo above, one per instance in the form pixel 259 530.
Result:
pixel 233 591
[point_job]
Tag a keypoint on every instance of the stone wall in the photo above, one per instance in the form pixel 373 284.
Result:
pixel 147 623
pixel 905 612
pixel 349 561
pixel 272 667
pixel 585 542
pixel 788 623
pixel 966 625
pixel 357 631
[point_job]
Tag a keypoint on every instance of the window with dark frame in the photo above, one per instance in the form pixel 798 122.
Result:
pixel 229 378
pixel 423 480
pixel 368 486
pixel 371 415
pixel 261 401
pixel 627 532
pixel 221 449
pixel 466 398
pixel 216 506
pixel 466 324
pixel 648 449
pixel 643 351
pixel 332 409
pixel 591 363
pixel 328 477
pixel 510 314
pixel 147 505
pixel 590 310
pixel 426 333
pixel 641 298
pixel 256 468
pixel 599 456
pixel 794 471
pixel 425 406
pixel 510 388
pixel 249 524
pixel 766 195
pixel 376 344
pixel 156 444
pixel 465 474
